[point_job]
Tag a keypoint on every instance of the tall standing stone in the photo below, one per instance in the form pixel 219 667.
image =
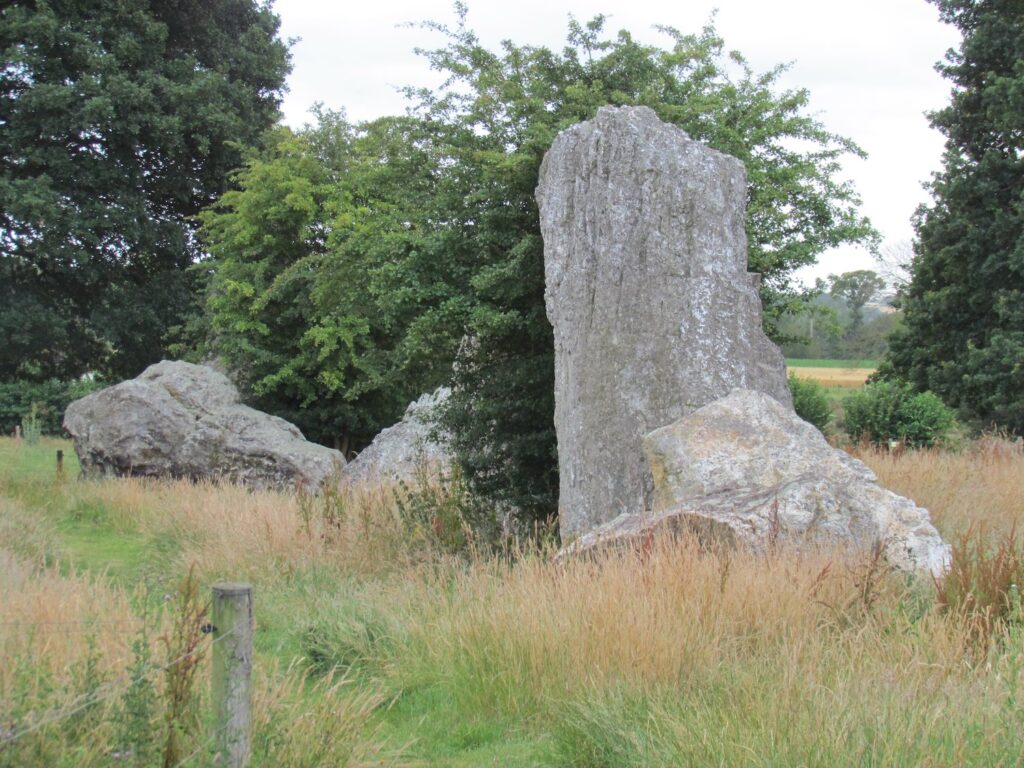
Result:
pixel 654 312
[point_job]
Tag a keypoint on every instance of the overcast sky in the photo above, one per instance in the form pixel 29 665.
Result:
pixel 869 67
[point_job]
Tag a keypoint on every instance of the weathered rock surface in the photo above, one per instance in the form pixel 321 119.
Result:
pixel 746 470
pixel 403 451
pixel 183 420
pixel 647 288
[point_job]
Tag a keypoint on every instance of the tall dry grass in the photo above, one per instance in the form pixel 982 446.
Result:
pixel 517 636
pixel 46 616
pixel 667 656
pixel 225 528
pixel 980 485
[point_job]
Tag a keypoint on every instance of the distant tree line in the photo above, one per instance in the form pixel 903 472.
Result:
pixel 850 317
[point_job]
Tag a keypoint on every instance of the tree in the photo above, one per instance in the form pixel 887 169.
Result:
pixel 327 263
pixel 120 121
pixel 894 260
pixel 491 124
pixel 963 334
pixel 855 289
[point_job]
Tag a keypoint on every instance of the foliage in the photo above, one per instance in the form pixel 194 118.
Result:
pixel 31 430
pixel 887 411
pixel 353 264
pixel 442 512
pixel 837 322
pixel 50 399
pixel 120 122
pixel 856 289
pixel 328 271
pixel 137 739
pixel 810 401
pixel 184 654
pixel 493 120
pixel 964 332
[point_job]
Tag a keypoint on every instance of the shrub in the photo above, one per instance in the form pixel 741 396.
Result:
pixel 49 398
pixel 442 512
pixel 810 401
pixel 886 411
pixel 31 428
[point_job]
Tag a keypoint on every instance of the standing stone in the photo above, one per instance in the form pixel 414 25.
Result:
pixel 647 288
pixel 746 471
pixel 177 419
pixel 406 452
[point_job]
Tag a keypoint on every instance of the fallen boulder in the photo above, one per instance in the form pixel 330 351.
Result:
pixel 647 290
pixel 177 419
pixel 745 470
pixel 405 451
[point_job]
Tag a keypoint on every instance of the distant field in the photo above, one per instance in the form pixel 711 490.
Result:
pixel 795 362
pixel 838 374
pixel 845 378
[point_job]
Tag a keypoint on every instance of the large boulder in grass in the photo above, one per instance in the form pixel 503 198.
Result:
pixel 745 470
pixel 647 289
pixel 406 452
pixel 183 420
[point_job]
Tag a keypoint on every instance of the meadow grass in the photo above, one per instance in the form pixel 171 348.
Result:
pixel 377 645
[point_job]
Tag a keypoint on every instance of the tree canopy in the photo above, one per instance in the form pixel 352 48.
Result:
pixel 963 336
pixel 119 120
pixel 332 291
pixel 855 289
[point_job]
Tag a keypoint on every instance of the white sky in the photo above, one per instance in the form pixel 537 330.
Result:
pixel 869 67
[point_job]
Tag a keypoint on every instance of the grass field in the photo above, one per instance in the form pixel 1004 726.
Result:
pixel 376 646
pixel 835 378
pixel 833 374
pixel 794 362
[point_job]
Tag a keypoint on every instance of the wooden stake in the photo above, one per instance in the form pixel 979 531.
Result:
pixel 232 673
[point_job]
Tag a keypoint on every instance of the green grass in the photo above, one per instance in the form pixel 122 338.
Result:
pixel 23 465
pixel 81 536
pixel 84 534
pixel 824 363
pixel 97 548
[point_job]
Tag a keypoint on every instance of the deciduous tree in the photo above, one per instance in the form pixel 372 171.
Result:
pixel 855 289
pixel 119 120
pixel 335 294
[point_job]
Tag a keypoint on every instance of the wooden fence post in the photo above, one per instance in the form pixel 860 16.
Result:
pixel 232 673
pixel 60 464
